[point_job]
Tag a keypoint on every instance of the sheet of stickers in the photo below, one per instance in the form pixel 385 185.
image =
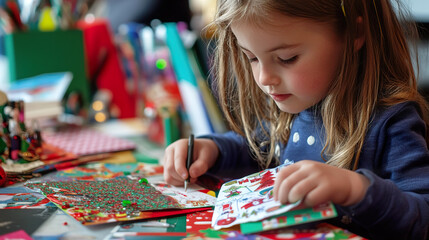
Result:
pixel 250 199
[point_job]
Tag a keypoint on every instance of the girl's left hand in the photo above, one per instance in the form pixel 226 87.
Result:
pixel 316 183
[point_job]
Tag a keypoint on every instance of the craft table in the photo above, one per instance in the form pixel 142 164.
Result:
pixel 31 216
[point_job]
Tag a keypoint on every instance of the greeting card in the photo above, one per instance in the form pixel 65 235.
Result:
pixel 250 199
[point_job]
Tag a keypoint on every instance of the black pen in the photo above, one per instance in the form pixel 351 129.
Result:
pixel 189 158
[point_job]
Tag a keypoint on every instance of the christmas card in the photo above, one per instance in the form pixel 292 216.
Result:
pixel 250 199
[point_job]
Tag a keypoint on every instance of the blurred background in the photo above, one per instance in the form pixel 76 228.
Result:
pixel 110 59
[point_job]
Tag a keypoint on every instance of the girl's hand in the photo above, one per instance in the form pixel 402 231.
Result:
pixel 205 155
pixel 316 183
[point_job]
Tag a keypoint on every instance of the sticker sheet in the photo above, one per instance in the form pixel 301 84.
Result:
pixel 248 199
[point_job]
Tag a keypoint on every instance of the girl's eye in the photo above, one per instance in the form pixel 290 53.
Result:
pixel 289 60
pixel 253 59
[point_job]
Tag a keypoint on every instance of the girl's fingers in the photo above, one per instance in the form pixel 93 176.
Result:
pixel 287 185
pixel 171 176
pixel 180 156
pixel 316 196
pixel 301 189
pixel 175 172
pixel 282 175
pixel 293 183
pixel 168 163
pixel 198 168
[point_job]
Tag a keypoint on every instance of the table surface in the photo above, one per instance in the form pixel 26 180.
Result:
pixel 47 221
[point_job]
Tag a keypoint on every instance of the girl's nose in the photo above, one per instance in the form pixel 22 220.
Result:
pixel 267 76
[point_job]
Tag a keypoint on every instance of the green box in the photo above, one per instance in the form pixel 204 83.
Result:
pixel 32 53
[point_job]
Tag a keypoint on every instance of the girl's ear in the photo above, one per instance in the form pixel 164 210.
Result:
pixel 360 40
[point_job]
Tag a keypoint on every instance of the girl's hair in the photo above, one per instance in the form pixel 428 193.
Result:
pixel 380 74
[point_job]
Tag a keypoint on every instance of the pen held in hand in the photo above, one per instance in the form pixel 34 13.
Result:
pixel 189 159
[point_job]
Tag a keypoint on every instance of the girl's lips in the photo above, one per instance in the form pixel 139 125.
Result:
pixel 280 97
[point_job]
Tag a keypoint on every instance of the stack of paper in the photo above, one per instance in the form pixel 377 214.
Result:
pixel 42 94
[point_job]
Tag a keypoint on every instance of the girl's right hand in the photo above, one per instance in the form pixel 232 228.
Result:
pixel 204 157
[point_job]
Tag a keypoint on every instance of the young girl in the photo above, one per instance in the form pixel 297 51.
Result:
pixel 329 86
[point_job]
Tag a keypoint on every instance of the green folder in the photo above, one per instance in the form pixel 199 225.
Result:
pixel 32 53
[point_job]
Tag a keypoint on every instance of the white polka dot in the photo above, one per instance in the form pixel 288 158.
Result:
pixel 296 137
pixel 311 140
pixel 277 151
pixel 287 162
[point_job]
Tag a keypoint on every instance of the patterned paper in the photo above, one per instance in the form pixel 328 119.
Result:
pixel 85 141
pixel 119 199
pixel 103 171
pixel 198 221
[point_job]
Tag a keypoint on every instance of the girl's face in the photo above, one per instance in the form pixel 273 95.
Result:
pixel 293 61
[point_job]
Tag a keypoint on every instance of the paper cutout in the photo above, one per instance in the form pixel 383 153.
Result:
pixel 119 199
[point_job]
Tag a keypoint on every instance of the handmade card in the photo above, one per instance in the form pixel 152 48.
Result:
pixel 121 199
pixel 248 199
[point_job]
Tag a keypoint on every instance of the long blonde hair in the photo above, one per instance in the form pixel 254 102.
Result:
pixel 379 74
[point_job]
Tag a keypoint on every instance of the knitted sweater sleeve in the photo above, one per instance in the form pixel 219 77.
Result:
pixel 395 159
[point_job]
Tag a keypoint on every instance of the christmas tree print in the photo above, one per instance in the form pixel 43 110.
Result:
pixel 267 180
